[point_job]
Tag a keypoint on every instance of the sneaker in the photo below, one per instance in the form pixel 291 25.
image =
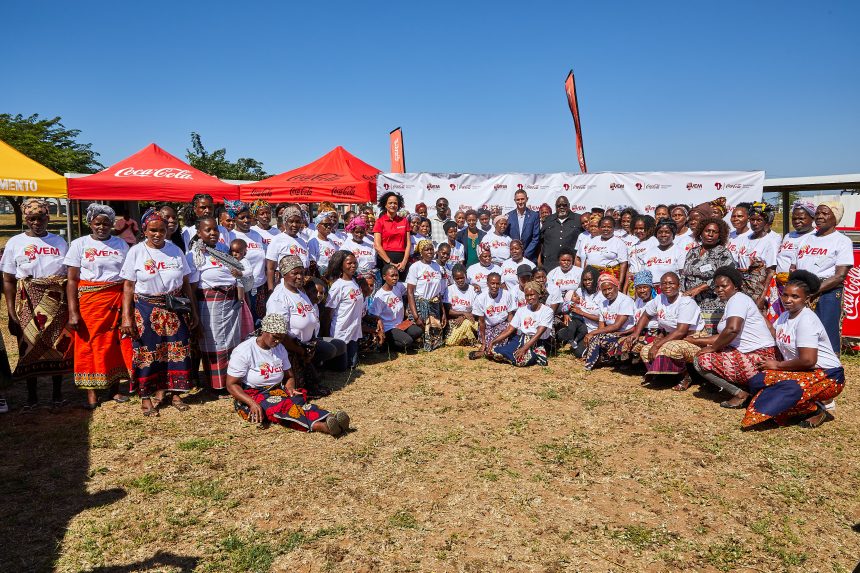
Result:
pixel 342 419
pixel 333 425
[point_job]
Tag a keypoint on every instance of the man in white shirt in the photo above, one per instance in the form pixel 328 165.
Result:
pixel 437 222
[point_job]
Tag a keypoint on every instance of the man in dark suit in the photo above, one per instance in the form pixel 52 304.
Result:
pixel 524 224
pixel 561 229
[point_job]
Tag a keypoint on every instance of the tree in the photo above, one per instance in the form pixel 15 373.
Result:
pixel 48 142
pixel 216 163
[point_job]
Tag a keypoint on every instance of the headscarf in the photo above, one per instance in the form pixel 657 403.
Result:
pixel 150 215
pixel 234 207
pixel 837 208
pixel 290 212
pixel 257 205
pixel 415 217
pixel 423 243
pixel 288 263
pixel 499 218
pixel 764 209
pixel 34 206
pixel 94 210
pixel 643 277
pixel 274 324
pixel 607 278
pixel 355 223
pixel 680 206
pixel 322 216
pixel 806 205
pixel 535 286
pixel 419 205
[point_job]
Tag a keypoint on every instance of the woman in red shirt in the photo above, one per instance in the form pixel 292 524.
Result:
pixel 391 234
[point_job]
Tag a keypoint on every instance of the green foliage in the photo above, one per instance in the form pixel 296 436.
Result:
pixel 49 142
pixel 216 162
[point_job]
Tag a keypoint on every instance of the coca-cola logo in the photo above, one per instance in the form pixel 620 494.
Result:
pixel 498 186
pixel 261 193
pixel 691 186
pixel 300 191
pixel 718 185
pixel 161 173
pixel 851 300
pixel 308 177
pixel 733 186
pixel 345 191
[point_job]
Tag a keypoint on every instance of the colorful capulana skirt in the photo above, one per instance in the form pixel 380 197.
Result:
pixel 711 316
pixel 161 359
pixel 44 344
pixel 782 395
pixel 602 348
pixel 734 366
pixel 774 291
pixel 463 335
pixel 504 352
pixel 102 356
pixel 221 330
pixel 646 337
pixel 258 302
pixel 672 358
pixel 753 284
pixel 279 407
pixel 430 311
pixel 491 332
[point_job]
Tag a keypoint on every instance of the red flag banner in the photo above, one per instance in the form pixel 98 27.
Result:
pixel 398 161
pixel 570 89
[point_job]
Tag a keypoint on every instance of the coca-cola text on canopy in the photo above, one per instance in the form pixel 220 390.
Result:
pixel 305 177
pixel 162 173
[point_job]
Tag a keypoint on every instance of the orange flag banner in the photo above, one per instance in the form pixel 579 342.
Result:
pixel 570 90
pixel 398 161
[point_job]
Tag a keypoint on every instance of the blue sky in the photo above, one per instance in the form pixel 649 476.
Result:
pixel 477 87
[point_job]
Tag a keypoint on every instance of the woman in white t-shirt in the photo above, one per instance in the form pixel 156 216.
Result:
pixel 345 303
pixel 478 273
pixel 497 242
pixel 290 242
pixel 261 382
pixel 213 277
pixel 616 317
pixel 809 374
pixel 755 255
pixel 802 219
pixel 306 348
pixel 261 213
pixel 828 254
pixel 34 282
pixel 425 287
pixel 664 256
pixel 322 246
pixel 160 336
pixel 524 340
pixel 494 307
pixel 388 305
pixel 510 266
pixel 581 311
pixel 677 316
pixel 459 298
pixel 606 252
pixel 743 343
pixel 102 355
pixel 360 246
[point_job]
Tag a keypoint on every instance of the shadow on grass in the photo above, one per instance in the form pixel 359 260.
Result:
pixel 160 560
pixel 44 477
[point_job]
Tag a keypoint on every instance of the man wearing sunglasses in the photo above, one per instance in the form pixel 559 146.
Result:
pixel 560 230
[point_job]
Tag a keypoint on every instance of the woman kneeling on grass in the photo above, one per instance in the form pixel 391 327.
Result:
pixel 261 382
pixel 523 342
pixel 616 317
pixel 810 372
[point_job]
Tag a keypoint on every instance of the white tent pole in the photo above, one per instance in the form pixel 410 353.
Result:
pixel 69 220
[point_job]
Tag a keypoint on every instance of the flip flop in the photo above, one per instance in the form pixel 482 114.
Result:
pixel 683 384
pixel 181 406
pixel 121 399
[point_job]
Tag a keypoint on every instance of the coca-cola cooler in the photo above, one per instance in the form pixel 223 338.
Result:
pixel 851 298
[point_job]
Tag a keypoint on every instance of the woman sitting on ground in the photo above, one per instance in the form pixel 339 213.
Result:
pixel 264 390
pixel 582 308
pixel 644 290
pixel 493 308
pixel 808 374
pixel 729 359
pixel 677 316
pixel 523 342
pixel 425 288
pixel 458 306
pixel 616 317
pixel 388 305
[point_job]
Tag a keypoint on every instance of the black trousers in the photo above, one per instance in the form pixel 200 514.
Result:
pixel 403 339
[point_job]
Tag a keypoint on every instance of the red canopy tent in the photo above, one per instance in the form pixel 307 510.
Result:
pixel 148 175
pixel 338 176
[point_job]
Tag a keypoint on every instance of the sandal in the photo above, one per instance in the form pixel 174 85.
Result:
pixel 475 354
pixel 342 419
pixel 179 404
pixel 742 404
pixel 820 416
pixel 683 384
pixel 120 399
pixel 152 411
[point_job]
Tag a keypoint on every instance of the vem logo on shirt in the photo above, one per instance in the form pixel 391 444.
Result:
pixel 253 245
pixel 266 369
pixel 593 248
pixel 528 322
pixel 393 302
pixel 152 267
pixel 563 282
pixel 786 246
pixel 354 293
pixel 658 261
pixel 267 241
pixel 296 250
pixel 328 251
pixel 32 251
pixel 781 336
pixel 661 314
pixel 479 277
pixel 93 254
pixel 811 251
pixel 457 301
pixel 429 275
pixel 496 309
pixel 303 309
pixel 215 262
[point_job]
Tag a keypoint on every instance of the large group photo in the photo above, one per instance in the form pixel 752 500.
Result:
pixel 511 370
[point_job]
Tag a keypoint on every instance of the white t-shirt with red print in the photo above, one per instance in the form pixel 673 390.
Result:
pixel 98 261
pixel 258 367
pixel 527 321
pixel 35 257
pixel 155 271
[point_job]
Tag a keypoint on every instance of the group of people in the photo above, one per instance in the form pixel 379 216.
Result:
pixel 267 298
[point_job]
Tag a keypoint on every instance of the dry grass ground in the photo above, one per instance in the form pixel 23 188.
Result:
pixel 453 466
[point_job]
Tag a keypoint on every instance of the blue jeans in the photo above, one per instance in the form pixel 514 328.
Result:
pixel 829 310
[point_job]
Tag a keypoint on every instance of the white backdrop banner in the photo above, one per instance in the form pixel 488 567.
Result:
pixel 644 191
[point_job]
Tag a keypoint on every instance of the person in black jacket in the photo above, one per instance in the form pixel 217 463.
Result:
pixel 561 229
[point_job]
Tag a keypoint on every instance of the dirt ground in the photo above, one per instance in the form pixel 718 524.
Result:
pixel 453 466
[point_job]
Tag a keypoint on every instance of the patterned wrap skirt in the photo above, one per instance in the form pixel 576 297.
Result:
pixel 220 328
pixel 44 343
pixel 102 356
pixel 430 309
pixel 733 365
pixel 504 352
pixel 672 358
pixel 161 358
pixel 602 348
pixel 463 335
pixel 646 337
pixel 782 395
pixel 280 408
pixel 774 291
pixel 712 313
pixel 491 332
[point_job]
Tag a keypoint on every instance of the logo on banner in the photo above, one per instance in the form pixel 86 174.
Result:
pixel 452 186
pixel 346 191
pixel 638 186
pixel 718 185
pixel 386 186
pixel 566 186
pixel 691 186
pixel 519 186
pixel 300 191
pixel 851 302
pixel 161 173
pixel 311 177
pixel 498 186
pixel 431 187
pixel 613 186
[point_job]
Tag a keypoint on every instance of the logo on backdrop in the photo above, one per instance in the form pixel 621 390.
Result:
pixel 452 186
pixel 718 185
pixel 613 186
pixel 566 186
pixel 851 302
pixel 162 173
pixel 498 186
pixel 691 186
pixel 433 187
pixel 387 186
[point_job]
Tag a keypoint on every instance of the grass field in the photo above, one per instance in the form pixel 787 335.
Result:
pixel 453 466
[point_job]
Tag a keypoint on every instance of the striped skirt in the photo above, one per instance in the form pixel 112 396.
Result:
pixel 221 330
pixel 672 358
